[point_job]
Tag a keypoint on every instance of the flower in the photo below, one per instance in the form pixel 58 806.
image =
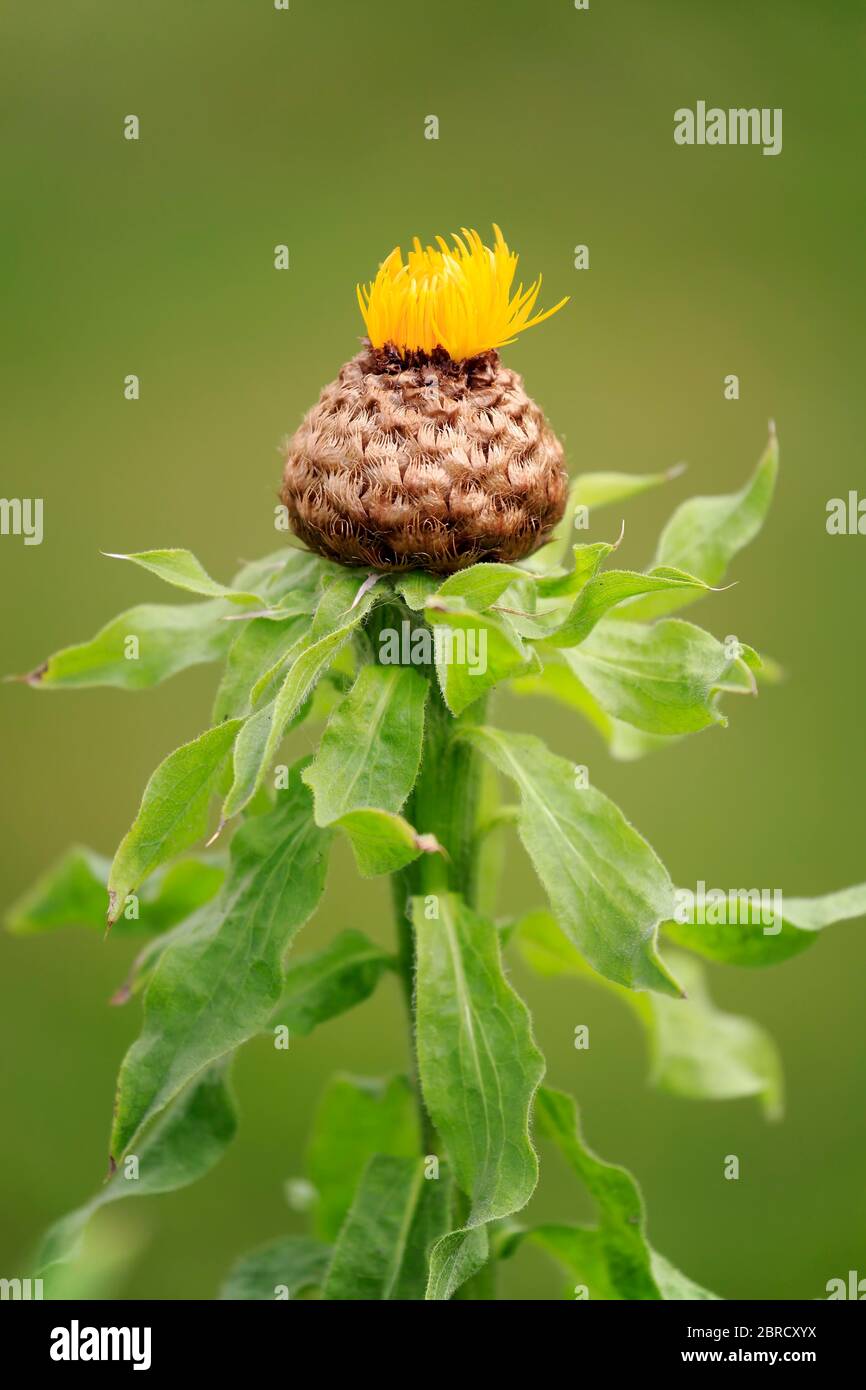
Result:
pixel 457 298
pixel 426 452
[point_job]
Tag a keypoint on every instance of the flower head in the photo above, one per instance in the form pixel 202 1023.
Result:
pixel 458 298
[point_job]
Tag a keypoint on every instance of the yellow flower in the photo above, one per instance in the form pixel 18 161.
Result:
pixel 458 298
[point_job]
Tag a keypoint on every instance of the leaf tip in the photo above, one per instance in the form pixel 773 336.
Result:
pixel 215 836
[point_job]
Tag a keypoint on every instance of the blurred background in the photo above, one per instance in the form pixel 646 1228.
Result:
pixel 155 257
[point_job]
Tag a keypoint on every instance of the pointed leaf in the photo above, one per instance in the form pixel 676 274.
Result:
pixel 168 639
pixel 706 533
pixel 587 561
pixel 367 763
pixel 210 993
pixel 474 652
pixel 357 1118
pixel 185 1144
pixel 599 595
pixel 331 981
pixel 480 585
pixel 595 490
pixel 173 813
pixel 72 893
pixel 383 1247
pixel 663 678
pixel 182 569
pixel 748 941
pixel 697 1052
pixel 615 1192
pixel 285 1267
pixel 258 649
pixel 608 889
pixel 633 1267
pixel 263 732
pixel 479 1069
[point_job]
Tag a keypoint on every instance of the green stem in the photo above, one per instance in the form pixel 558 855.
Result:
pixel 445 804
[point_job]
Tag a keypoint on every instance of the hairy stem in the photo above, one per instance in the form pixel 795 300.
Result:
pixel 445 804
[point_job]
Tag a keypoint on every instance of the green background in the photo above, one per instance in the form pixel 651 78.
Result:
pixel 306 127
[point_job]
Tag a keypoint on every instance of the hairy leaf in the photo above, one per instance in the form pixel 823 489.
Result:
pixel 701 1053
pixel 383 1247
pixel 750 942
pixel 602 593
pixel 167 639
pixel 357 1118
pixel 706 533
pixel 479 1069
pixel 182 569
pixel 608 889
pixel 258 649
pixel 72 893
pixel 622 1257
pixel 336 618
pixel 595 490
pixel 367 763
pixel 330 981
pixel 416 587
pixel 474 652
pixel 173 813
pixel 480 585
pixel 211 992
pixel 697 1052
pixel 663 678
pixel 282 1269
pixel 190 1137
pixel 587 561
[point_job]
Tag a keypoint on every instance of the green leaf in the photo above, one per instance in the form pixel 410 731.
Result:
pixel 697 1052
pixel 480 585
pixel 331 981
pixel 558 682
pixel 474 652
pixel 357 1118
pixel 587 561
pixel 258 650
pixel 416 587
pixel 614 1191
pixel 336 618
pixel 674 1286
pixel 706 533
pixel 173 813
pixel 282 1269
pixel 595 490
pixel 662 679
pixel 189 1139
pixel 182 569
pixel 383 1247
pixel 608 889
pixel 599 595
pixel 213 991
pixel 701 1053
pixel 383 842
pixel 169 638
pixel 479 1069
pixel 746 942
pixel 367 763
pixel 72 893
pixel 621 1256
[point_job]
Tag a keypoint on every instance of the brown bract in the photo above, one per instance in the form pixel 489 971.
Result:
pixel 424 464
